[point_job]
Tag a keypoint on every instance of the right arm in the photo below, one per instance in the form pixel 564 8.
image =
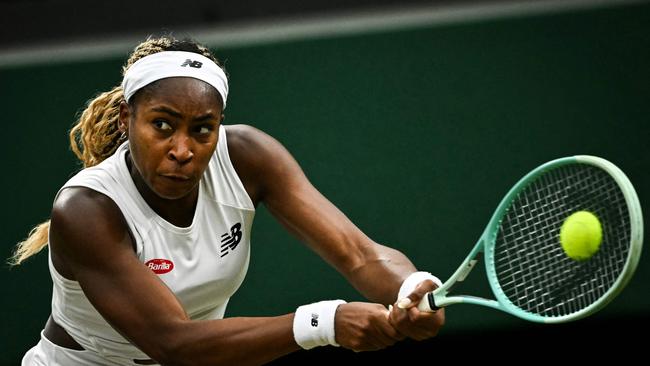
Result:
pixel 90 243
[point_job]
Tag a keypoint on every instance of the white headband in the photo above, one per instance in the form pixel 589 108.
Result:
pixel 169 64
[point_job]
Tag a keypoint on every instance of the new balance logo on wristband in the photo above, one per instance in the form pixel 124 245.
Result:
pixel 313 324
pixel 190 63
pixel 230 240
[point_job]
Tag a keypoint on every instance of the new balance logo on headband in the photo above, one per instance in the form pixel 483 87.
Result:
pixel 167 64
pixel 194 64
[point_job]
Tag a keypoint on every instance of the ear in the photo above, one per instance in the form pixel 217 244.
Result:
pixel 223 117
pixel 124 117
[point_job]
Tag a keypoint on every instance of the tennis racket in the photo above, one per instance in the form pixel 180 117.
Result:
pixel 529 273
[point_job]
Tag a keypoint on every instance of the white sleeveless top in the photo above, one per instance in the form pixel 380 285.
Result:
pixel 203 264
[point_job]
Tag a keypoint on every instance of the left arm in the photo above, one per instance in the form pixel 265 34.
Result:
pixel 271 175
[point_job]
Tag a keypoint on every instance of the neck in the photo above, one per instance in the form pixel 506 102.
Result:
pixel 179 212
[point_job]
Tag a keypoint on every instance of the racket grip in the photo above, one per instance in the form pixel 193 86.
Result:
pixel 428 304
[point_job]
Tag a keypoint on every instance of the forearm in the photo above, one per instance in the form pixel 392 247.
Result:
pixel 232 341
pixel 381 274
pixel 376 271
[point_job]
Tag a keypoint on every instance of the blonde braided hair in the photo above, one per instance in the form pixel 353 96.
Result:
pixel 96 136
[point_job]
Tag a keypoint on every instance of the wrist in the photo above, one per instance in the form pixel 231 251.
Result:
pixel 313 324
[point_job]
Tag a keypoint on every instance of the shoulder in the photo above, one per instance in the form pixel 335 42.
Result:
pixel 84 225
pixel 245 138
pixel 79 213
pixel 249 153
pixel 76 202
pixel 249 143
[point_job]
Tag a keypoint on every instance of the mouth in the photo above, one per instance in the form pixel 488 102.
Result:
pixel 176 177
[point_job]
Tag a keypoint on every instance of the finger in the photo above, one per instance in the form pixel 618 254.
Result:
pixel 375 340
pixel 388 333
pixel 380 340
pixel 399 320
pixel 415 324
pixel 426 325
pixel 422 325
pixel 418 293
pixel 376 331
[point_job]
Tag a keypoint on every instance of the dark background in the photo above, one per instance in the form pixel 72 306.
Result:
pixel 415 133
pixel 24 22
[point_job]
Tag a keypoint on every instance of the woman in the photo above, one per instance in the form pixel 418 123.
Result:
pixel 148 243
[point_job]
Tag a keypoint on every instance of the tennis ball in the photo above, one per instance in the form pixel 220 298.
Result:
pixel 581 235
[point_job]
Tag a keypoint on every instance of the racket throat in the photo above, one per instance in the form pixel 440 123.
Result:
pixel 458 277
pixel 463 271
pixel 467 269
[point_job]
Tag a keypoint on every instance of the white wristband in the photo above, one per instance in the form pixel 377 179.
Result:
pixel 313 324
pixel 413 280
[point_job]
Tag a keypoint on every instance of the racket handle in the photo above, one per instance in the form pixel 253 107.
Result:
pixel 428 303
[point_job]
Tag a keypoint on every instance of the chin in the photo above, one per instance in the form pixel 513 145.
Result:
pixel 170 196
pixel 175 192
pixel 173 195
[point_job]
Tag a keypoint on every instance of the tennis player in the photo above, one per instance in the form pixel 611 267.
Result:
pixel 151 239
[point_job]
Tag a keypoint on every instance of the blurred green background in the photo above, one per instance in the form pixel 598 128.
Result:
pixel 415 134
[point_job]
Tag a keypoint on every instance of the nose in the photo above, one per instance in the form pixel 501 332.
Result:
pixel 181 149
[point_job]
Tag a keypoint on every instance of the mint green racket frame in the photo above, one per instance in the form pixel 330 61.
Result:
pixel 486 245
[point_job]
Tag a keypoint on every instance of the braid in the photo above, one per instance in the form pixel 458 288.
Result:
pixel 155 45
pixel 95 136
pixel 146 48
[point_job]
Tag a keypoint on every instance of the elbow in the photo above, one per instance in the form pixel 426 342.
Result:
pixel 170 356
pixel 165 355
pixel 189 346
pixel 168 348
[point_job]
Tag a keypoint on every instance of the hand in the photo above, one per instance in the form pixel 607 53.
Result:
pixel 363 326
pixel 413 323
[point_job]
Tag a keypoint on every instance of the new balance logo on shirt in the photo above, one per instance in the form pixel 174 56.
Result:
pixel 230 240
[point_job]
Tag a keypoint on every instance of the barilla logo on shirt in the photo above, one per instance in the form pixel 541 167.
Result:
pixel 160 266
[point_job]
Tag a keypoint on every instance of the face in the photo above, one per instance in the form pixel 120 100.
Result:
pixel 173 128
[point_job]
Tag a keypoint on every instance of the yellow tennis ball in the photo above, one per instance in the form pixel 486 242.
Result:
pixel 581 235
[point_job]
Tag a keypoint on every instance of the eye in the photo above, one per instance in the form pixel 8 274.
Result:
pixel 162 125
pixel 204 129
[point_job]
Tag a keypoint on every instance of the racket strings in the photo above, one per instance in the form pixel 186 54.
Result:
pixel 533 271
